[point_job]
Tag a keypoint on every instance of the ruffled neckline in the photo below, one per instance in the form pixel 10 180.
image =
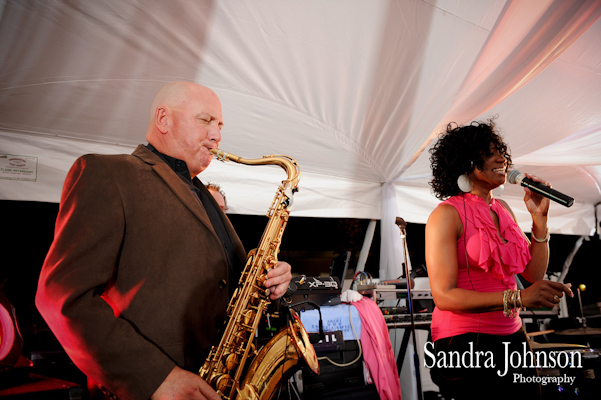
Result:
pixel 502 259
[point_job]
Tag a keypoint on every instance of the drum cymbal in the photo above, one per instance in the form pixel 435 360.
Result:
pixel 532 334
pixel 584 331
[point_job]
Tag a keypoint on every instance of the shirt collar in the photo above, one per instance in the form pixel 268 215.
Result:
pixel 178 166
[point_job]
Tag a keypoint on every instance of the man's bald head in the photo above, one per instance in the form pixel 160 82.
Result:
pixel 185 122
pixel 174 94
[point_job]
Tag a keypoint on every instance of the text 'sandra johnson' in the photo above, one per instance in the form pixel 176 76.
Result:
pixel 511 360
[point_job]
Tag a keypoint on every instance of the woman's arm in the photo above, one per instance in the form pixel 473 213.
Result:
pixel 538 206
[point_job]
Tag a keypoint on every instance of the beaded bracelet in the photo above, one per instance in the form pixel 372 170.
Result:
pixel 543 240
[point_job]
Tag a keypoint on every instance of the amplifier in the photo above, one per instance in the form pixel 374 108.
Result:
pixel 389 292
pixel 405 319
pixel 341 381
pixel 332 341
pixel 394 310
pixel 400 316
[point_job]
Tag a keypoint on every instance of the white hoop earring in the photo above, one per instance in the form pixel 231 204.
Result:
pixel 465 183
pixel 498 190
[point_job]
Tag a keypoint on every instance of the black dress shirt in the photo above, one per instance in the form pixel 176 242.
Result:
pixel 196 186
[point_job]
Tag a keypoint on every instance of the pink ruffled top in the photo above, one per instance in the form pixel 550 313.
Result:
pixel 493 263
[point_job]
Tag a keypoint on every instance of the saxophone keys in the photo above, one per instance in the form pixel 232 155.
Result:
pixel 239 338
pixel 255 299
pixel 223 383
pixel 271 261
pixel 261 283
pixel 232 361
pixel 253 350
pixel 248 316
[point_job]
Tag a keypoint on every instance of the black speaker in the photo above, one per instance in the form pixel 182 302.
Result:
pixel 343 380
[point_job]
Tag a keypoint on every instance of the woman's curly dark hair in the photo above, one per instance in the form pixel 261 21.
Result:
pixel 455 151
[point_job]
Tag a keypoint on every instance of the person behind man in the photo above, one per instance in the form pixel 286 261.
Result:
pixel 219 195
pixel 135 284
pixel 474 249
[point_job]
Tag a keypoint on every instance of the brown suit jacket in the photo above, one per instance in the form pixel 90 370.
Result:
pixel 136 278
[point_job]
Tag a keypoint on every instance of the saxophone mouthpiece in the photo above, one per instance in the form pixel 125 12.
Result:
pixel 220 154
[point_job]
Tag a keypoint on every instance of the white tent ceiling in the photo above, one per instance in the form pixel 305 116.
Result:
pixel 354 90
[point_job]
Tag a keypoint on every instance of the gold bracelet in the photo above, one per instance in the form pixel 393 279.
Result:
pixel 507 297
pixel 514 297
pixel 543 240
pixel 520 304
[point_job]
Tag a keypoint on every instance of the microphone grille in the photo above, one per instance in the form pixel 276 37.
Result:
pixel 513 176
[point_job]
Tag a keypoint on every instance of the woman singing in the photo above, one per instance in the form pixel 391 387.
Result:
pixel 474 250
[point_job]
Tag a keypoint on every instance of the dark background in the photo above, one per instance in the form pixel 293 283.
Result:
pixel 308 244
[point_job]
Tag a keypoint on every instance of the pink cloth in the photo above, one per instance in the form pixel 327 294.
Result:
pixel 377 350
pixel 492 266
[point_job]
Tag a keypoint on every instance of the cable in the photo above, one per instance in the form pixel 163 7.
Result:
pixel 363 278
pixel 358 344
pixel 293 389
pixel 467 262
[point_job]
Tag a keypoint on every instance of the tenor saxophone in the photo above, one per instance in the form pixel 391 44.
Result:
pixel 235 368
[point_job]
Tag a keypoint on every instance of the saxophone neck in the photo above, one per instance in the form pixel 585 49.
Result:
pixel 287 163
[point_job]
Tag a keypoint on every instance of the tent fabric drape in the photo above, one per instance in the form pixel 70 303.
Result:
pixel 505 65
pixel 356 92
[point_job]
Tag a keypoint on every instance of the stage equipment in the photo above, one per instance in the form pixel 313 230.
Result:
pixel 580 364
pixel 323 291
pixel 341 377
pixel 582 331
pixel 403 226
pixel 11 341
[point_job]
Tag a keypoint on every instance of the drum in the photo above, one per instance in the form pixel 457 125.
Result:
pixel 10 338
pixel 568 371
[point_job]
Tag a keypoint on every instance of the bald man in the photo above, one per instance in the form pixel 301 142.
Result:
pixel 137 280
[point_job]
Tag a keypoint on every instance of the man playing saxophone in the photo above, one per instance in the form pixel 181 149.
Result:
pixel 137 280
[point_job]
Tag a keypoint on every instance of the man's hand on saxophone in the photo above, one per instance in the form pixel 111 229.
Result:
pixel 184 385
pixel 279 279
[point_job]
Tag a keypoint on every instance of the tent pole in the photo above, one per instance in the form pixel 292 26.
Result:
pixel 369 236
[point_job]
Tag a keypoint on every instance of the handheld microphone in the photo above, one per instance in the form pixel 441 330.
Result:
pixel 516 177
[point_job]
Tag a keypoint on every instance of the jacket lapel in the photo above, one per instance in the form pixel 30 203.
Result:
pixel 239 247
pixel 178 188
